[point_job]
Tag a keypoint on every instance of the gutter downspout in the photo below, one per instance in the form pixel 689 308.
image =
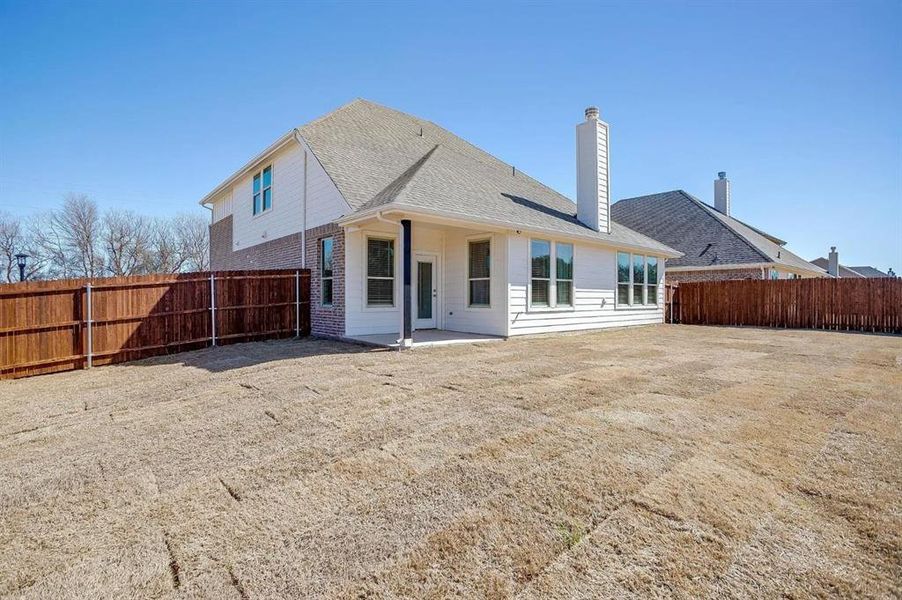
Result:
pixel 297 138
pixel 382 219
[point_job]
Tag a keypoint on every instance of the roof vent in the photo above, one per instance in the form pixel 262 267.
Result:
pixel 592 113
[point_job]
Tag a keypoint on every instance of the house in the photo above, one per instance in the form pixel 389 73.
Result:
pixel 715 245
pixel 834 269
pixel 407 227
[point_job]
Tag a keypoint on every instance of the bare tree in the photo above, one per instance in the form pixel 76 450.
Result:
pixel 72 235
pixel 76 241
pixel 16 238
pixel 126 243
pixel 10 244
pixel 193 241
pixel 166 257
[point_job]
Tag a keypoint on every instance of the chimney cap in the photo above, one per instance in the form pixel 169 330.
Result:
pixel 592 112
pixel 832 248
pixel 721 174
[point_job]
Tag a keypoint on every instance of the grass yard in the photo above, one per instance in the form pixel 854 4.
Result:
pixel 661 461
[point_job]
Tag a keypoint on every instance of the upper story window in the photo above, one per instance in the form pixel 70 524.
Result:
pixel 263 190
pixel 479 273
pixel 637 279
pixel 551 274
pixel 380 272
pixel 325 270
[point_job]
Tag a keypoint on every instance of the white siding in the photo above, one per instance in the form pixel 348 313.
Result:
pixel 594 282
pixel 324 202
pixel 222 206
pixel 458 316
pixel 360 320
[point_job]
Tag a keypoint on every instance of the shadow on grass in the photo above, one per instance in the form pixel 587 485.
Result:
pixel 247 354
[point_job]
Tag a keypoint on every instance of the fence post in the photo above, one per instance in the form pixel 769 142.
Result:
pixel 90 316
pixel 212 309
pixel 297 304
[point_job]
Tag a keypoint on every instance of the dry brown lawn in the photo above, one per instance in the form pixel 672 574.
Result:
pixel 664 461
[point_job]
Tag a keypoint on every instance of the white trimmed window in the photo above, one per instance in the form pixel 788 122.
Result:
pixel 623 279
pixel 263 190
pixel 380 272
pixel 651 280
pixel 551 274
pixel 325 270
pixel 563 273
pixel 637 279
pixel 540 276
pixel 479 273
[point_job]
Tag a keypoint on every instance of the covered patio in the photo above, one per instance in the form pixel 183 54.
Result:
pixel 425 282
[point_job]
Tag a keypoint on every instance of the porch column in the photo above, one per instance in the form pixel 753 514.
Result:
pixel 407 266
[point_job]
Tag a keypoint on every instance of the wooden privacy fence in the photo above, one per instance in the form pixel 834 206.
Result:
pixel 671 303
pixel 48 326
pixel 873 305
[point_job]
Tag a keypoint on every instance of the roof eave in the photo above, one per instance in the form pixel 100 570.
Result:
pixel 464 218
pixel 262 156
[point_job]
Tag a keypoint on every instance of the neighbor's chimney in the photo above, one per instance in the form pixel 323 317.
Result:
pixel 722 193
pixel 593 200
pixel 833 262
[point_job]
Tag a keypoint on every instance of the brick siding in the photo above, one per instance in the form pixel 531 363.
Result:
pixel 285 253
pixel 727 274
pixel 327 321
pixel 280 253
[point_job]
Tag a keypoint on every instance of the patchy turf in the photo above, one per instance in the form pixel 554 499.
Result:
pixel 662 461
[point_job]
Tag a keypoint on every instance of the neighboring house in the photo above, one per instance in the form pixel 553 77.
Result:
pixel 715 246
pixel 834 269
pixel 406 226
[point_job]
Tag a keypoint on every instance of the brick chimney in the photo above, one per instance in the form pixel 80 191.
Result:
pixel 722 193
pixel 833 262
pixel 593 200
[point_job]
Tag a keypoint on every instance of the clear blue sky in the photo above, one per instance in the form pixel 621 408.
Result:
pixel 149 106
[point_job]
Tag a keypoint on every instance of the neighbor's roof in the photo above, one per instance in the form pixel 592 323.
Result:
pixel 844 271
pixel 869 272
pixel 705 236
pixel 382 158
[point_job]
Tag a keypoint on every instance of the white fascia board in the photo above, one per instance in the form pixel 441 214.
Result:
pixel 250 165
pixel 723 267
pixel 467 220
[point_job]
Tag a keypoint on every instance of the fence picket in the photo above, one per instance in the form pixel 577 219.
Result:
pixel 873 305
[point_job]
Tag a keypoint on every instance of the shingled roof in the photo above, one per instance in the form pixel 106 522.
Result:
pixel 382 158
pixel 705 236
pixel 852 272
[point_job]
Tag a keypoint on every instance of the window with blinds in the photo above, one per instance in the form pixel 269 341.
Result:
pixel 623 278
pixel 540 260
pixel 563 274
pixel 380 272
pixel 479 273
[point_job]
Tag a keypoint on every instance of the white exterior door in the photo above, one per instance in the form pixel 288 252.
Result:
pixel 425 300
